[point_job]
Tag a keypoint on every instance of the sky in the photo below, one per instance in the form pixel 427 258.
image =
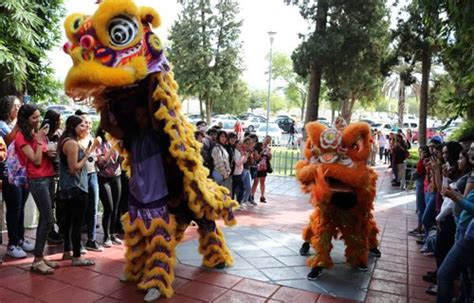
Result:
pixel 259 17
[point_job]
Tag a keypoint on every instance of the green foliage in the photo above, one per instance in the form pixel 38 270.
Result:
pixel 28 29
pixel 295 88
pixel 351 49
pixel 458 54
pixel 464 130
pixel 205 49
pixel 440 102
pixel 258 97
pixel 233 101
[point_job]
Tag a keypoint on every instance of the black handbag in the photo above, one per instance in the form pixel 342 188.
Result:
pixel 69 194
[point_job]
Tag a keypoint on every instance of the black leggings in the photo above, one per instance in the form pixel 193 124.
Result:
pixel 73 211
pixel 110 190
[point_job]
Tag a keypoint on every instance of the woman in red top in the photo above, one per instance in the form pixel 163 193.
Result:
pixel 31 147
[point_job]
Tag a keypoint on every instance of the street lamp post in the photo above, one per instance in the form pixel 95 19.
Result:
pixel 271 35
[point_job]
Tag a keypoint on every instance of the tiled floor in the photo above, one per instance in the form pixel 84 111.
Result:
pixel 267 267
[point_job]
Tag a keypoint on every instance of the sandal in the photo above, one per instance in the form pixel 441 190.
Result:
pixel 82 262
pixel 51 264
pixel 42 268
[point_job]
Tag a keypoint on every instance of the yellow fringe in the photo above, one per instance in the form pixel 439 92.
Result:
pixel 217 254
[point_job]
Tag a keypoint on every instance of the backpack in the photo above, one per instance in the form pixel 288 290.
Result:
pixel 16 171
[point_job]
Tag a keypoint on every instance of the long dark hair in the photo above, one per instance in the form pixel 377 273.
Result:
pixel 6 104
pixel 70 132
pixel 469 166
pixel 54 118
pixel 25 112
pixel 454 149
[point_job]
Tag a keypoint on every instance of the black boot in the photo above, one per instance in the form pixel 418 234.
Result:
pixel 304 249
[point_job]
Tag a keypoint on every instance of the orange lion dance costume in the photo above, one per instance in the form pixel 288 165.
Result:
pixel 342 189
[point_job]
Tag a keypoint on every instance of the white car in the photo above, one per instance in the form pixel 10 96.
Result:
pixel 273 130
pixel 253 123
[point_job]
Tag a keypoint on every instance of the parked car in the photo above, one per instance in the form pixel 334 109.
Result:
pixel 245 116
pixel 273 130
pixel 253 123
pixel 285 123
pixel 194 118
pixel 368 121
pixel 59 108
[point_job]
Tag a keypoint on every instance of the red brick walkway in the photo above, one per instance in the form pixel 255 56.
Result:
pixel 396 278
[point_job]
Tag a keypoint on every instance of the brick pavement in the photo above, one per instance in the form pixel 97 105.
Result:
pixel 396 277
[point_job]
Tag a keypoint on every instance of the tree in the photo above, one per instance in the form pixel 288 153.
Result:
pixel 205 50
pixel 309 57
pixel 417 40
pixel 28 29
pixel 295 86
pixel 346 48
pixel 258 98
pixel 233 101
pixel 457 55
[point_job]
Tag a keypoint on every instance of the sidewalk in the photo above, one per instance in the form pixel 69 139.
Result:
pixel 267 265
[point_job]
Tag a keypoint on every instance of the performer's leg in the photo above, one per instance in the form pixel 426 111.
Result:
pixel 322 234
pixel 355 236
pixel 373 242
pixel 135 255
pixel 161 256
pixel 307 234
pixel 212 245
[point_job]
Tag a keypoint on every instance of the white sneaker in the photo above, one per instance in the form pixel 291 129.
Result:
pixel 16 252
pixel 152 294
pixel 27 246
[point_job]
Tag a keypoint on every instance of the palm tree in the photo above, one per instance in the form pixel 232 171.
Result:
pixel 398 82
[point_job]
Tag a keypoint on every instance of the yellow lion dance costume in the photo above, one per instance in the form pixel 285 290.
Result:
pixel 342 189
pixel 119 63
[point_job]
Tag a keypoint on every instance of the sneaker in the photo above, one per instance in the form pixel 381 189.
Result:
pixel 83 250
pixel 362 267
pixel 93 246
pixel 107 243
pixel 16 252
pixel 315 273
pixel 152 294
pixel 432 290
pixel 304 249
pixel 375 252
pixel 26 245
pixel 263 200
pixel 416 232
pixel 116 240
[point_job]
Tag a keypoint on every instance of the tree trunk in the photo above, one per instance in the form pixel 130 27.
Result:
pixel 345 109
pixel 201 109
pixel 425 78
pixel 304 97
pixel 208 110
pixel 401 102
pixel 7 88
pixel 351 107
pixel 312 106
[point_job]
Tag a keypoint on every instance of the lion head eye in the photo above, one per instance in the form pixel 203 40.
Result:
pixel 355 146
pixel 122 30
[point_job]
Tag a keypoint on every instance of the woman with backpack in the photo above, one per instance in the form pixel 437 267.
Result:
pixel 263 155
pixel 222 170
pixel 14 196
pixel 32 152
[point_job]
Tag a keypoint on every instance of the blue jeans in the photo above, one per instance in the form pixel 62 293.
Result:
pixel 42 190
pixel 456 262
pixel 93 203
pixel 420 199
pixel 429 215
pixel 15 200
pixel 247 180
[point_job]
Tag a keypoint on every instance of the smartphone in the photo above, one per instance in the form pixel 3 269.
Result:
pixel 89 145
pixel 44 123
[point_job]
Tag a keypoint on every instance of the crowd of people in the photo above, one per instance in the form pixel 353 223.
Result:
pixel 239 164
pixel 65 170
pixel 445 207
pixel 392 149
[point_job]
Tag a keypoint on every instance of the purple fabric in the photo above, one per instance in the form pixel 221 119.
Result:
pixel 148 181
pixel 148 214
